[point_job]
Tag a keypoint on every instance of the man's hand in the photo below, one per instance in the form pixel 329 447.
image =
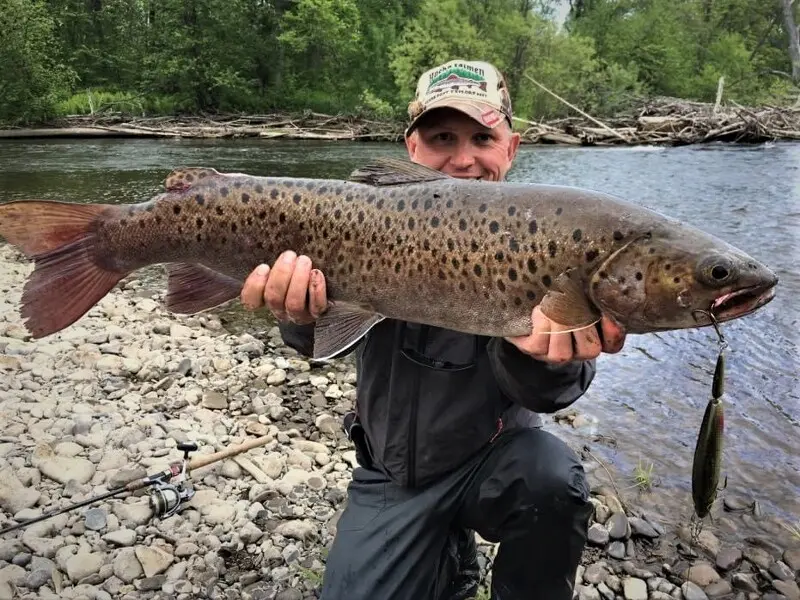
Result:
pixel 546 344
pixel 291 289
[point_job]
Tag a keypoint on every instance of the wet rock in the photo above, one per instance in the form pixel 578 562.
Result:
pixel 618 526
pixel 691 591
pixel 728 558
pixel 640 527
pixel 781 570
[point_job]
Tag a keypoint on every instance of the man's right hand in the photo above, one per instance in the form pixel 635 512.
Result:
pixel 291 289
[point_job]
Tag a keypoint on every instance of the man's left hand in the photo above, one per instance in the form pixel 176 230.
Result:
pixel 547 344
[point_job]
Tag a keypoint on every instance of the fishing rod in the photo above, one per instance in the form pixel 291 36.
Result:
pixel 166 497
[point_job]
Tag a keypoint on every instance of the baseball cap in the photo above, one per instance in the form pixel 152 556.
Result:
pixel 476 88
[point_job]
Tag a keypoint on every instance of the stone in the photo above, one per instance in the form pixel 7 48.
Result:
pixel 618 526
pixel 690 591
pixel 792 558
pixel 94 519
pixel 595 573
pixel 616 550
pixel 744 582
pixel 64 468
pixel 634 589
pixel 126 566
pixel 780 570
pixel 121 537
pixel 598 535
pixel 15 497
pixel 214 400
pixel 789 589
pixel 728 558
pixel 297 529
pixel 718 589
pixel 153 559
pixel 702 574
pixel 83 564
pixel 640 527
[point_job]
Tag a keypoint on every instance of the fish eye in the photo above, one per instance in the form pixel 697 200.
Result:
pixel 719 272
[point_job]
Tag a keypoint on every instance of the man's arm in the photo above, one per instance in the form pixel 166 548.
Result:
pixel 535 384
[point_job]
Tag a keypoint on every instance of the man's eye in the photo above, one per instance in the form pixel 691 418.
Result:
pixel 483 138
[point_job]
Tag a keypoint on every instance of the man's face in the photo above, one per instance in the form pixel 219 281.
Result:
pixel 453 143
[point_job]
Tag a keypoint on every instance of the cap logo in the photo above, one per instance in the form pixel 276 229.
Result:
pixel 490 117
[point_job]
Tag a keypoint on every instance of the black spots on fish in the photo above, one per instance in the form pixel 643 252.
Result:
pixel 449 204
pixel 401 205
pixel 199 222
pixel 501 285
pixel 323 189
pixel 200 199
pixel 262 215
pixel 189 177
pixel 234 227
pixel 297 198
pixel 530 294
pixel 603 275
pixel 199 237
pixel 158 219
pixel 477 270
pixel 149 208
pixel 223 192
pixel 546 281
pixel 142 224
pixel 223 240
pixel 361 216
pixel 474 246
pixel 462 286
pixel 337 214
pixel 175 210
pixel 577 235
pixel 517 301
pixel 494 226
pixel 237 184
pixel 512 274
pixel 442 275
pixel 676 280
pixel 249 220
pixel 482 208
pixel 591 255
pixel 282 218
pixel 414 204
pixel 348 198
pixel 455 262
pixel 387 223
pixel 428 203
pixel 552 248
pixel 411 223
pixel 451 245
pixel 462 224
pixel 617 235
pixel 559 210
pixel 499 256
pixel 513 245
pixel 219 210
pixel 274 193
pixel 434 221
pixel 651 251
pixel 380 203
pixel 370 198
pixel 259 188
pixel 397 266
pixel 245 197
pixel 638 276
pixel 426 245
pixel 667 267
pixel 533 227
pixel 512 210
pixel 532 267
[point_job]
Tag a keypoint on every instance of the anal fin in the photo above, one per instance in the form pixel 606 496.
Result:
pixel 340 327
pixel 193 288
pixel 567 303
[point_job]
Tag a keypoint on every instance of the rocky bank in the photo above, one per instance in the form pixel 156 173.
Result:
pixel 111 397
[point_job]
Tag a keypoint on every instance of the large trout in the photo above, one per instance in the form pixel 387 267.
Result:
pixel 396 240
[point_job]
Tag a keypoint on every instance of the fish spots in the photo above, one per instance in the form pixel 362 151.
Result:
pixel 591 255
pixel 676 280
pixel 380 203
pixel 411 223
pixel 477 270
pixel 337 214
pixel 442 275
pixel 219 210
pixel 512 210
pixel 259 188
pixel 262 215
pixel 297 198
pixel 617 235
pixel 530 295
pixel 199 237
pixel 361 216
pixel 234 227
pixel 546 281
pixel 282 218
pixel 552 248
pixel 559 210
pixel 274 193
pixel 462 224
pixel 667 267
pixel 501 285
pixel 451 245
pixel 189 177
pixel 149 208
pixel 449 204
pixel 199 222
pixel 499 256
pixel 533 227
pixel 532 267
pixel 323 189
pixel 462 286
pixel 176 210
pixel 482 208
pixel 223 192
pixel 387 223
pixel 397 266
pixel 245 197
pixel 603 275
pixel 513 245
pixel 577 235
pixel 473 245
pixel 494 226
pixel 638 276
pixel 401 205
pixel 512 274
pixel 434 221
pixel 428 203
pixel 142 224
pixel 517 301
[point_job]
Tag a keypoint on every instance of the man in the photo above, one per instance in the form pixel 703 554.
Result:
pixel 445 427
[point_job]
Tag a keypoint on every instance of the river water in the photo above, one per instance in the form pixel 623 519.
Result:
pixel 647 402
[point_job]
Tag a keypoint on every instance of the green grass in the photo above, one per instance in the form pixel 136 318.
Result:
pixel 91 102
pixel 643 476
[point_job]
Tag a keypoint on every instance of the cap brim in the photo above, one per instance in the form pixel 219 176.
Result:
pixel 484 114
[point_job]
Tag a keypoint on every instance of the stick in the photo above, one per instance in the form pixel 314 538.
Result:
pixel 207 459
pixel 720 86
pixel 572 106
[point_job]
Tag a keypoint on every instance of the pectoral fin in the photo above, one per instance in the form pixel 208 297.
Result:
pixel 567 304
pixel 193 288
pixel 340 327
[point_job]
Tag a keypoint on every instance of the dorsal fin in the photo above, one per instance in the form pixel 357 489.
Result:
pixel 394 171
pixel 185 177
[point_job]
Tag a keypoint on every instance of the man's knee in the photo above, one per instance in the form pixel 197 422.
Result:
pixel 546 473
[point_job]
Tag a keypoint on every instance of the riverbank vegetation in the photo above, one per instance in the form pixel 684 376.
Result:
pixel 147 58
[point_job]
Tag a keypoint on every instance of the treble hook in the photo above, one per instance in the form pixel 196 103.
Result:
pixel 723 343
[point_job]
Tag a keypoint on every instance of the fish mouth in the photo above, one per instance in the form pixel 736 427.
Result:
pixel 742 302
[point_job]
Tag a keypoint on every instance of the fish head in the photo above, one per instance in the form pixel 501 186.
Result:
pixel 676 280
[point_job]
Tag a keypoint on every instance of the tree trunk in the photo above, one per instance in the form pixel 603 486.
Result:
pixel 794 38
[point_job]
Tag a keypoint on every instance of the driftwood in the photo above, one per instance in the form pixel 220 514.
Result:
pixel 658 121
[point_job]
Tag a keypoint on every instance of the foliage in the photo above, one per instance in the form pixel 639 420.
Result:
pixel 364 56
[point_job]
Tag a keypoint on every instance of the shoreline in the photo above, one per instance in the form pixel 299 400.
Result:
pixel 658 121
pixel 111 396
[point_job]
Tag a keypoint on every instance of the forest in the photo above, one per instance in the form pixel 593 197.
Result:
pixel 362 57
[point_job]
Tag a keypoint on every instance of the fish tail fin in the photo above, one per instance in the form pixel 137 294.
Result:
pixel 66 280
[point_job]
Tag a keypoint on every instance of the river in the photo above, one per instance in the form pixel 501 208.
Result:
pixel 647 402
